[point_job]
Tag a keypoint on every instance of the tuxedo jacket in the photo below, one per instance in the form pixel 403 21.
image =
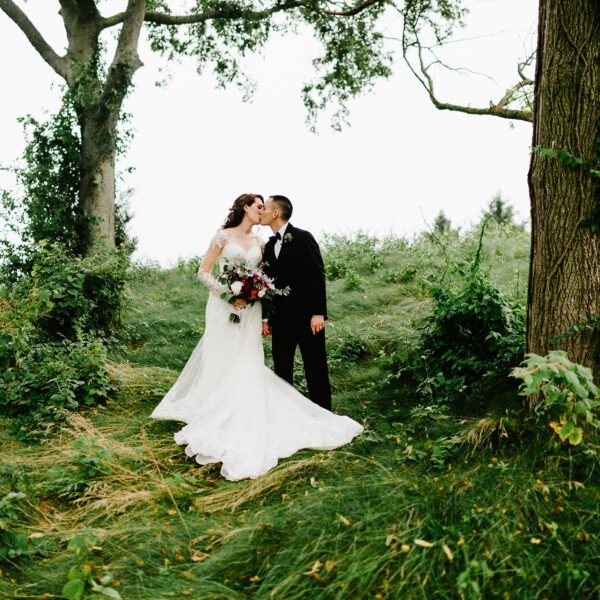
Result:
pixel 299 267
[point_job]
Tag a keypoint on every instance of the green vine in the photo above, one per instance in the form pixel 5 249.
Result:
pixel 575 162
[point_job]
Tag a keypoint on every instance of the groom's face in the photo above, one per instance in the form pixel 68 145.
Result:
pixel 269 213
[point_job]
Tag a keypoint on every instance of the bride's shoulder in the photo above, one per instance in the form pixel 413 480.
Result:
pixel 220 238
pixel 258 240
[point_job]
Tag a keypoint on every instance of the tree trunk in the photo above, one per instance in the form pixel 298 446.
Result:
pixel 97 192
pixel 98 105
pixel 564 277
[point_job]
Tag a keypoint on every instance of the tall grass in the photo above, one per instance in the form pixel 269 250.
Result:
pixel 426 503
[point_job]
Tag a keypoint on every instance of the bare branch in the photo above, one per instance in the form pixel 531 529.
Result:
pixel 500 109
pixel 58 63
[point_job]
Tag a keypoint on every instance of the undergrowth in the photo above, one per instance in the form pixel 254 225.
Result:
pixel 433 500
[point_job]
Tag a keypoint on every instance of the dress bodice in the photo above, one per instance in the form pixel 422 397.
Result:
pixel 234 253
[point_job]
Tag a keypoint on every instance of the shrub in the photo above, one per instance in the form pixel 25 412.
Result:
pixel 567 399
pixel 41 383
pixel 353 281
pixel 363 252
pixel 471 339
pixel 81 294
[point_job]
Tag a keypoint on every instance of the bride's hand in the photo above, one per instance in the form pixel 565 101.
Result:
pixel 239 304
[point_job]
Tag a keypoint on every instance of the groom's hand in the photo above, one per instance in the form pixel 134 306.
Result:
pixel 317 323
pixel 266 329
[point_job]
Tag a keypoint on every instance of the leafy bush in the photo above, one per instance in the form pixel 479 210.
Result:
pixel 353 281
pixel 361 252
pixel 41 383
pixel 471 339
pixel 568 400
pixel 81 294
pixel 51 360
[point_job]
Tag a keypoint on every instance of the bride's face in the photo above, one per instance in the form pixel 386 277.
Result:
pixel 254 211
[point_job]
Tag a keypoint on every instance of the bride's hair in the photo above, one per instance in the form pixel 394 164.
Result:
pixel 236 212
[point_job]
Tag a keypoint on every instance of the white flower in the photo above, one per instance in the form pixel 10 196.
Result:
pixel 262 292
pixel 271 286
pixel 236 287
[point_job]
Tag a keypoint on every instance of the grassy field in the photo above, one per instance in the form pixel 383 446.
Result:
pixel 427 503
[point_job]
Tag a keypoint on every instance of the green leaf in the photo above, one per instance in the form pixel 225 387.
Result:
pixel 576 436
pixel 565 431
pixel 74 589
pixel 575 384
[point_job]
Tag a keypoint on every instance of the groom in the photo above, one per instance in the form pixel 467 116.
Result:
pixel 294 260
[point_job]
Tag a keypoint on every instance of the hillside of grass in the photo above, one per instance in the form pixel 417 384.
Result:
pixel 433 500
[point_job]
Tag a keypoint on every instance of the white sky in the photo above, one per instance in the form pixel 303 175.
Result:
pixel 197 148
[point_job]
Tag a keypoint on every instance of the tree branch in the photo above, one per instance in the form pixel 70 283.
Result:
pixel 500 109
pixel 58 63
pixel 159 18
pixel 353 11
pixel 126 59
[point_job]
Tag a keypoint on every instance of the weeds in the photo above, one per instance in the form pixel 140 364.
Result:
pixel 476 508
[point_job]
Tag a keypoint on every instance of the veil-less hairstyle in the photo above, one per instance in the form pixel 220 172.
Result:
pixel 284 206
pixel 236 212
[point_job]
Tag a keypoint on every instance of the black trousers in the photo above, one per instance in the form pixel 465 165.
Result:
pixel 285 339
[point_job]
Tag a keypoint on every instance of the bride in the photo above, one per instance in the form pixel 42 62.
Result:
pixel 237 411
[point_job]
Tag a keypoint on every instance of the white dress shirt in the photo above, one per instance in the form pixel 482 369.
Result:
pixel 279 242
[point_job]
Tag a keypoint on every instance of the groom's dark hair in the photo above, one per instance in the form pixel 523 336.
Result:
pixel 284 206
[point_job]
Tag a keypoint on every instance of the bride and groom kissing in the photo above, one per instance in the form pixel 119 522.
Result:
pixel 237 411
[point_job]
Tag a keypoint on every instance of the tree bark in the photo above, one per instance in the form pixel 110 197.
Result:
pixel 98 105
pixel 564 277
pixel 97 192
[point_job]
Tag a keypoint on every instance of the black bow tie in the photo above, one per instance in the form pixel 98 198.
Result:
pixel 275 237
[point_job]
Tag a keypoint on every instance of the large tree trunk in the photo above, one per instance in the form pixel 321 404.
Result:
pixel 97 192
pixel 564 277
pixel 98 105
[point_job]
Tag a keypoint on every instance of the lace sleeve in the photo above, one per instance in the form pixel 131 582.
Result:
pixel 219 239
pixel 211 283
pixel 210 258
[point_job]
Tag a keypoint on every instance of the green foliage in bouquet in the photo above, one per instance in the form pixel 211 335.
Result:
pixel 566 398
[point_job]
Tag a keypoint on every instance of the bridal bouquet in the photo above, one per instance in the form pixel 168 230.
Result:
pixel 250 285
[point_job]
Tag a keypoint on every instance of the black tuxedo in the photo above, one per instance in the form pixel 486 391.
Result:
pixel 299 267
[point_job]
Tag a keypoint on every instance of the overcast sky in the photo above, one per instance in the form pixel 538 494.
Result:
pixel 196 148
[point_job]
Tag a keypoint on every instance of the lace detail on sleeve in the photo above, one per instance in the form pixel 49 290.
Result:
pixel 211 283
pixel 219 239
pixel 204 272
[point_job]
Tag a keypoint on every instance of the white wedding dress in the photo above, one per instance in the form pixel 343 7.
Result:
pixel 236 410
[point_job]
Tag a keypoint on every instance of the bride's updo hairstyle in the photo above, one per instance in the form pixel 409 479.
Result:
pixel 236 212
